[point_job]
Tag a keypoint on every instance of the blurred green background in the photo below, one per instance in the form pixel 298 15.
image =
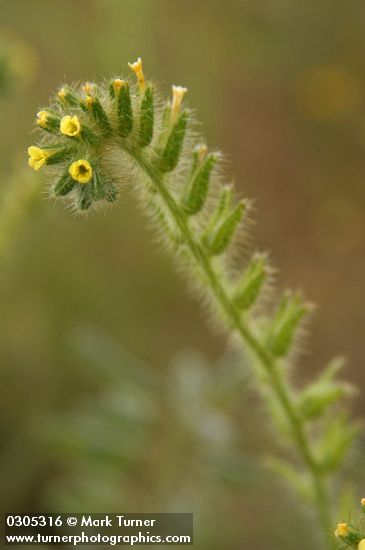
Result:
pixel 104 405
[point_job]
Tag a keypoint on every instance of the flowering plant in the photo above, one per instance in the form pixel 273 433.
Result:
pixel 98 137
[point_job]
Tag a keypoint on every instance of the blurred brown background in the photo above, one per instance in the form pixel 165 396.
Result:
pixel 92 307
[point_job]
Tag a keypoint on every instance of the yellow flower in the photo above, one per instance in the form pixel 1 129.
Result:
pixel 89 102
pixel 201 151
pixel 61 94
pixel 362 502
pixel 42 119
pixel 138 71
pixel 88 88
pixel 361 545
pixel 81 171
pixel 342 530
pixel 37 157
pixel 178 93
pixel 70 126
pixel 118 84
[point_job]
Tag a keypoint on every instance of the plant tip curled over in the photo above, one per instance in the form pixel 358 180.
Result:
pixel 96 137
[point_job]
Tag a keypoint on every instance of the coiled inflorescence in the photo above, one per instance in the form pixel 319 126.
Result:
pixel 80 123
pixel 180 182
pixel 187 196
pixel 83 123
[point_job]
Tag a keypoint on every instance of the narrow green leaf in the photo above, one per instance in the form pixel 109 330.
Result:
pixel 97 186
pixel 125 112
pixel 88 136
pixel 64 185
pixel 172 151
pixel 59 156
pixel 102 187
pixel 316 398
pixel 100 116
pixel 252 282
pixel 198 188
pixel 112 193
pixel 146 120
pixel 219 241
pixel 85 197
pixel 332 369
pixel 338 438
pixel 224 202
pixel 282 331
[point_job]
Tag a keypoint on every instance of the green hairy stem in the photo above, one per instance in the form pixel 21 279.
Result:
pixel 266 361
pixel 95 138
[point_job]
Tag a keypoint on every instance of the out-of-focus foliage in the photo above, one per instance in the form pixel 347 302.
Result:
pixel 140 424
pixel 17 198
pixel 146 441
pixel 18 63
